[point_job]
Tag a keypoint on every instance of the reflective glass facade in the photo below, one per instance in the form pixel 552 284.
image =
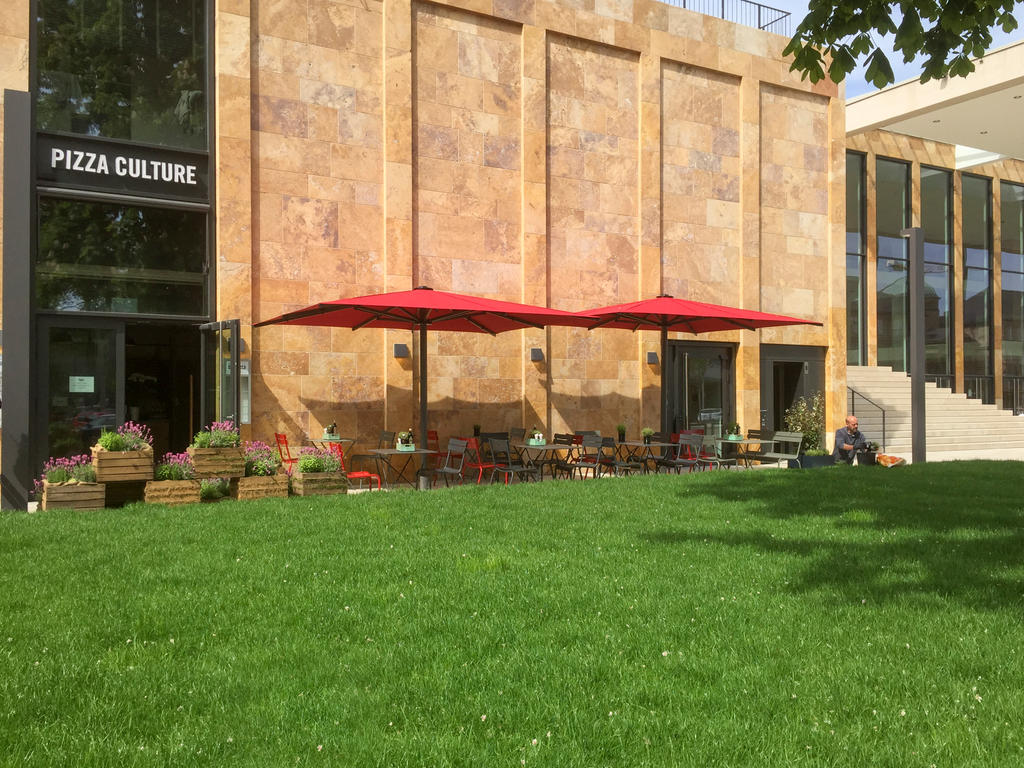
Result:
pixel 937 226
pixel 977 234
pixel 892 186
pixel 123 69
pixel 1012 260
pixel 856 251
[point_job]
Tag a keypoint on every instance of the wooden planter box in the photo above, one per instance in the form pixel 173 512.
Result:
pixel 217 462
pixel 73 495
pixel 172 492
pixel 319 483
pixel 121 466
pixel 268 486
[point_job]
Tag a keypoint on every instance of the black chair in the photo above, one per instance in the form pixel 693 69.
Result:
pixel 586 458
pixel 506 464
pixel 560 462
pixel 452 465
pixel 485 443
pixel 685 454
pixel 610 460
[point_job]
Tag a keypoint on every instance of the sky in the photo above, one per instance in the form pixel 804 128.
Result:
pixel 856 85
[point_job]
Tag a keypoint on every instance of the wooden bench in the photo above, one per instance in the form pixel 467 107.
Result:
pixel 786 448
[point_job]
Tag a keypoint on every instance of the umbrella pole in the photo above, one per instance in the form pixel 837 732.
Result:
pixel 423 386
pixel 664 390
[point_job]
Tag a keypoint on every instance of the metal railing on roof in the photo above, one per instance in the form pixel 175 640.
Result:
pixel 744 12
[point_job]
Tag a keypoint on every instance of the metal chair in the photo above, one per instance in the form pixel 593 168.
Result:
pixel 287 460
pixel 712 455
pixel 451 467
pixel 610 460
pixel 505 464
pixel 386 440
pixel 684 455
pixel 474 459
pixel 588 457
pixel 359 475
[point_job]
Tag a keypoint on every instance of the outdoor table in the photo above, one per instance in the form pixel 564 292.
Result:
pixel 533 453
pixel 743 446
pixel 389 456
pixel 324 443
pixel 643 452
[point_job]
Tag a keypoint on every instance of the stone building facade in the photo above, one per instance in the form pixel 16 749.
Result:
pixel 564 154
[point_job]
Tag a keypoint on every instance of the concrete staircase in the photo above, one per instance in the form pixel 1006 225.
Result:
pixel 954 423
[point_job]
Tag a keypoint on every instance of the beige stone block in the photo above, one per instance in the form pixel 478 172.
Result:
pixel 359 129
pixel 278 18
pixel 328 188
pixel 284 116
pixel 278 261
pixel 289 292
pixel 331 25
pixel 15 19
pixel 270 215
pixel 437 47
pixel 369 31
pixel 233 107
pixel 398 29
pixel 233 33
pixel 398 191
pixel 281 182
pixel 276 84
pixel 237 7
pixel 341 97
pixel 361 226
pixel 358 163
pixel 310 221
pixel 292 154
pixel 496 61
pixel 458 91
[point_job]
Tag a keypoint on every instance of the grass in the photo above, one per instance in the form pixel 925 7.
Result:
pixel 845 617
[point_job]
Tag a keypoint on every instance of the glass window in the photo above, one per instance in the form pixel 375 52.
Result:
pixel 856 210
pixel 892 183
pixel 937 226
pixel 1012 241
pixel 977 226
pixel 105 257
pixel 123 69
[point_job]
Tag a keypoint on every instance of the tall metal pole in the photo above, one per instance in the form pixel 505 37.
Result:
pixel 423 385
pixel 919 448
pixel 664 381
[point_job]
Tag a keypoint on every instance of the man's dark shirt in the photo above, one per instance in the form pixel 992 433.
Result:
pixel 845 437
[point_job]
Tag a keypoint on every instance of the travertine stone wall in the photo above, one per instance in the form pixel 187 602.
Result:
pixel 918 152
pixel 569 154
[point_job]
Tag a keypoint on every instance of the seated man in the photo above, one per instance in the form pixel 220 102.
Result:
pixel 849 441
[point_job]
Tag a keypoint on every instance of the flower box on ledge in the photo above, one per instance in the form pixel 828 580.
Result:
pixel 217 462
pixel 535 441
pixel 259 487
pixel 319 483
pixel 73 495
pixel 405 447
pixel 122 466
pixel 172 492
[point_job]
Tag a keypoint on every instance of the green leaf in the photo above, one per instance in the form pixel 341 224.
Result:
pixel 879 72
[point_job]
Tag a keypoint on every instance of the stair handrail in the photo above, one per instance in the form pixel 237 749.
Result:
pixel 854 394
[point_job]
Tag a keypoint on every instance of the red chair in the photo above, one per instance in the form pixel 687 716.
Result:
pixel 434 444
pixel 474 460
pixel 282 449
pixel 360 475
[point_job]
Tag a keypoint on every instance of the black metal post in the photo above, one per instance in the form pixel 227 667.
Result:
pixel 919 450
pixel 664 380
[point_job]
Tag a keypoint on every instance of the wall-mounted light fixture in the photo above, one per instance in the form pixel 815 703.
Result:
pixel 401 350
pixel 536 355
pixel 652 358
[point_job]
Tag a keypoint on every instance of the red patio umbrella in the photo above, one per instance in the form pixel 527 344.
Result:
pixel 423 308
pixel 666 313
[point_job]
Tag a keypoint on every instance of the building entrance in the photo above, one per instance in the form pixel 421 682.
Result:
pixel 701 389
pixel 98 374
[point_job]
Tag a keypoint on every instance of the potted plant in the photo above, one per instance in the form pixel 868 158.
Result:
pixel 868 457
pixel 732 431
pixel 405 441
pixel 318 472
pixel 535 437
pixel 262 479
pixel 216 451
pixel 174 483
pixel 646 434
pixel 70 484
pixel 807 416
pixel 125 454
pixel 476 430
pixel 621 429
pixel 331 430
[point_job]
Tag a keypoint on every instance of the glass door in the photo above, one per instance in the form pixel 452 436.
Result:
pixel 701 392
pixel 82 389
pixel 221 375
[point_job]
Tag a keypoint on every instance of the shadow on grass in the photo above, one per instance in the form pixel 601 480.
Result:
pixel 949 531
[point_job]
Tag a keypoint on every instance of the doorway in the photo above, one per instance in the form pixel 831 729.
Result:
pixel 700 385
pixel 98 374
pixel 788 372
pixel 787 378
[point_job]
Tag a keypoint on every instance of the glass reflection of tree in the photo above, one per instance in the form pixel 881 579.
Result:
pixel 127 69
pixel 91 254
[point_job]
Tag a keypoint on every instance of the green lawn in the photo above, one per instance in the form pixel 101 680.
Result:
pixel 847 617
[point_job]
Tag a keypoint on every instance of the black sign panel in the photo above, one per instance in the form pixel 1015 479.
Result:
pixel 94 164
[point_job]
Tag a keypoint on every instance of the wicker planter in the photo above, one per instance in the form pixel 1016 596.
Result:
pixel 264 487
pixel 73 495
pixel 217 462
pixel 121 466
pixel 172 492
pixel 319 483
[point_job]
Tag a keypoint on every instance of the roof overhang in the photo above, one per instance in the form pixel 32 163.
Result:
pixel 981 113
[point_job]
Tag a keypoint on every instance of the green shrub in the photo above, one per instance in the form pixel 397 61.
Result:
pixel 175 466
pixel 214 488
pixel 314 460
pixel 807 416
